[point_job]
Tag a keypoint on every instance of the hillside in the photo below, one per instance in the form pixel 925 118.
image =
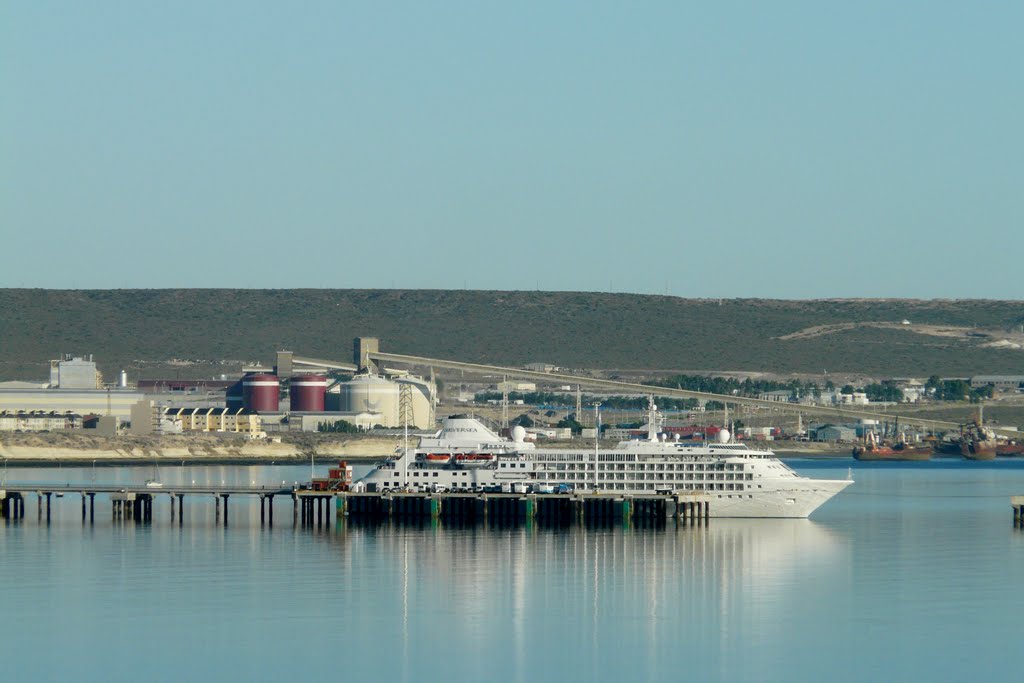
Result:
pixel 146 330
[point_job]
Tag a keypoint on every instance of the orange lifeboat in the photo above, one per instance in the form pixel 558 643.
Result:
pixel 474 458
pixel 438 458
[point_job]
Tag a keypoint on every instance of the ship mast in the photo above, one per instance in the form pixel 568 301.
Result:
pixel 652 419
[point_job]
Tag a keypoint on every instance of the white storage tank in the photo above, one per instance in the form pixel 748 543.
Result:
pixel 375 394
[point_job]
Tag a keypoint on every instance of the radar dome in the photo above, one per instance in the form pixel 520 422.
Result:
pixel 518 434
pixel 723 436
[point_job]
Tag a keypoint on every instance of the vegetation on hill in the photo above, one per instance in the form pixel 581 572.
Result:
pixel 187 332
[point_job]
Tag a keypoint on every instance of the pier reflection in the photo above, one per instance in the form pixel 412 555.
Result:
pixel 593 584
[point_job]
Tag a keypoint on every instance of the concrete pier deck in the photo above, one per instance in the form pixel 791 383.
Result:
pixel 314 507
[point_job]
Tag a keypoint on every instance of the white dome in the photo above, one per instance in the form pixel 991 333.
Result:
pixel 723 436
pixel 518 434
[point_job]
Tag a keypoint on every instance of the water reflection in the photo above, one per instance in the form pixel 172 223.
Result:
pixel 596 586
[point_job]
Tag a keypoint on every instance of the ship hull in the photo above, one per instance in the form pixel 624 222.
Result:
pixel 978 450
pixel 1009 450
pixel 893 455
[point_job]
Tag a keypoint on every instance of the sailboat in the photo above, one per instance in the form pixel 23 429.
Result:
pixel 155 482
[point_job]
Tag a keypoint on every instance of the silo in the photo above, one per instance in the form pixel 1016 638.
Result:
pixel 234 396
pixel 307 393
pixel 260 393
pixel 371 394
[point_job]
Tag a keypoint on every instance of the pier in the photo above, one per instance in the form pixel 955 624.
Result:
pixel 136 502
pixel 561 508
pixel 313 508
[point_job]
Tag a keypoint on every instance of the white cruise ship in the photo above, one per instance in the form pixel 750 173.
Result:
pixel 736 480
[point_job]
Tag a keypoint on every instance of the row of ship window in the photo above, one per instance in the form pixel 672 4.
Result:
pixel 617 457
pixel 709 485
pixel 719 467
pixel 614 486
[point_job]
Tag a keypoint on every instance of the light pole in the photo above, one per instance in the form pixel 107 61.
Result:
pixel 597 439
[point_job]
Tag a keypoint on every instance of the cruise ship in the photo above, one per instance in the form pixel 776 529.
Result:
pixel 464 455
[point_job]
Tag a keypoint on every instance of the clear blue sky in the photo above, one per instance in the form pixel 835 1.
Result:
pixel 734 149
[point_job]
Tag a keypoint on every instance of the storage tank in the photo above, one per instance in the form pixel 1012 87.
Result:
pixel 234 396
pixel 371 394
pixel 307 393
pixel 260 393
pixel 375 394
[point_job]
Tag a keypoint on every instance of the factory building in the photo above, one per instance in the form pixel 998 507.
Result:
pixel 311 422
pixel 39 421
pixel 999 382
pixel 115 402
pixel 75 387
pixel 74 372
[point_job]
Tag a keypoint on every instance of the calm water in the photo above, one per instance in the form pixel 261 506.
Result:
pixel 913 572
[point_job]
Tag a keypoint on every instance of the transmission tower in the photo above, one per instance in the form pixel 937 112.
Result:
pixel 405 408
pixel 433 398
pixel 504 402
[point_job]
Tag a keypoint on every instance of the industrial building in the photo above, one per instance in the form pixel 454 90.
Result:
pixel 115 402
pixel 998 382
pixel 296 395
pixel 39 421
pixel 76 387
pixel 75 372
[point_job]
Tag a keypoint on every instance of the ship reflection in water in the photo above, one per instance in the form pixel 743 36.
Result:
pixel 664 595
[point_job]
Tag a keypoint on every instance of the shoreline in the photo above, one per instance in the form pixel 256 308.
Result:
pixel 46 449
pixel 43 450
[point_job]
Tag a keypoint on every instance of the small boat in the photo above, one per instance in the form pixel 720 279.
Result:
pixel 438 458
pixel 154 483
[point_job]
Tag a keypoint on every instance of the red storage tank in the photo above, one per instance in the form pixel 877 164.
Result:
pixel 260 393
pixel 307 393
